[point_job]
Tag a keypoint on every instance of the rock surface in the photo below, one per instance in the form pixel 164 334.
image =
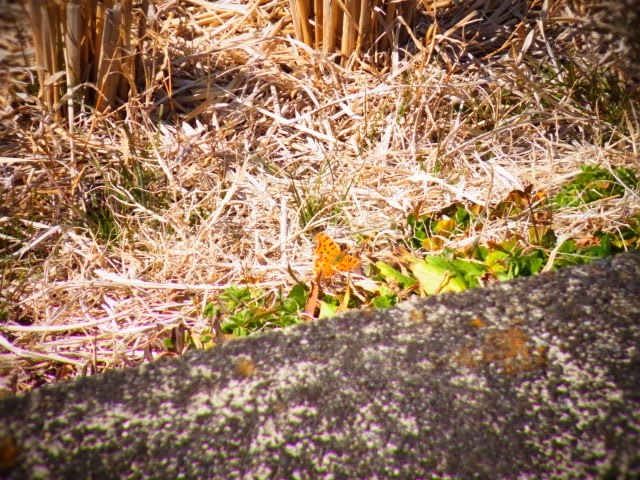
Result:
pixel 536 378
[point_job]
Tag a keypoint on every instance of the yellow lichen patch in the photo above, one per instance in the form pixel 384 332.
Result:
pixel 245 367
pixel 9 451
pixel 510 351
pixel 477 323
pixel 416 315
pixel 465 357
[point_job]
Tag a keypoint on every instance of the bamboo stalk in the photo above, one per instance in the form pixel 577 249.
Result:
pixel 34 8
pixel 91 43
pixel 52 54
pixel 408 10
pixel 73 37
pixel 142 31
pixel 318 28
pixel 295 16
pixel 127 59
pixel 350 24
pixel 364 26
pixel 108 77
pixel 353 26
pixel 332 17
pixel 301 12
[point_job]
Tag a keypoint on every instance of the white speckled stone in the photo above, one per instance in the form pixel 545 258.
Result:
pixel 538 378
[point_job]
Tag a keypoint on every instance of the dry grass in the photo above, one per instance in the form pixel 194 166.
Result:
pixel 242 143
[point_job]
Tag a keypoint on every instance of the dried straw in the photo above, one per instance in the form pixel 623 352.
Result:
pixel 239 141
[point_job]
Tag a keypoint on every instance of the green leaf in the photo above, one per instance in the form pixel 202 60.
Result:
pixel 469 267
pixel 437 275
pixel 536 265
pixel 239 332
pixel 211 310
pixel 227 325
pixel 542 235
pixel 391 275
pixel 568 247
pixel 286 320
pixel 234 296
pixel 525 265
pixel 386 300
pixel 495 257
pixel 297 298
pixel 595 183
pixel 627 177
pixel 327 310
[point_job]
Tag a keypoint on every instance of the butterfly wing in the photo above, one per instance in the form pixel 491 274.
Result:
pixel 325 255
pixel 347 263
pixel 328 257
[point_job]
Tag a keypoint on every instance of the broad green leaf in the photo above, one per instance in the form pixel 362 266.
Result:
pixel 391 275
pixel 494 257
pixel 297 298
pixel 469 267
pixel 435 275
pixel 327 310
pixel 239 332
pixel 385 301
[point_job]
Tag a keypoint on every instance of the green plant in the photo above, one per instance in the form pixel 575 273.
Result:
pixel 448 270
pixel 100 217
pixel 597 90
pixel 595 183
pixel 428 230
pixel 124 190
pixel 243 310
pixel 310 206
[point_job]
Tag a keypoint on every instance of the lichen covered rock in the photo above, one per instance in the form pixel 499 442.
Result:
pixel 535 378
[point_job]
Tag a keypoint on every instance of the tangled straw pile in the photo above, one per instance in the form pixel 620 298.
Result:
pixel 236 143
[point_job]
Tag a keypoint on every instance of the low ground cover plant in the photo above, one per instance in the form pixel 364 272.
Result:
pixel 444 269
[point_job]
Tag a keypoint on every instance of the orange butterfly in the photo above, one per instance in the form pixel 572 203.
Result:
pixel 328 257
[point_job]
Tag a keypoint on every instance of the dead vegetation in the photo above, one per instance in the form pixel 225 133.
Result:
pixel 238 143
